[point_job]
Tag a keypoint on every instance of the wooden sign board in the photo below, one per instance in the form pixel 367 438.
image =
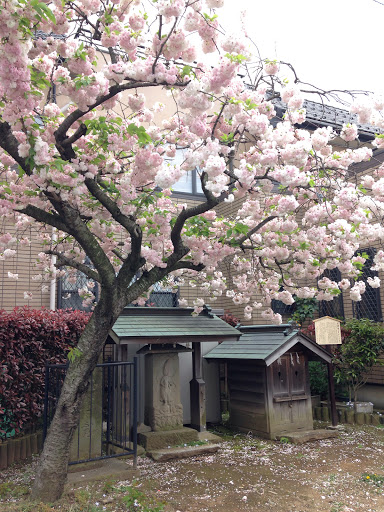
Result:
pixel 327 331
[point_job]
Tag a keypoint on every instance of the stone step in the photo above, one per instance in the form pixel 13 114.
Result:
pixel 209 436
pixel 161 439
pixel 182 452
pixel 306 436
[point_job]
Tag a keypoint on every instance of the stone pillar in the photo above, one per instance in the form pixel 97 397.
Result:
pixel 86 443
pixel 197 390
pixel 163 409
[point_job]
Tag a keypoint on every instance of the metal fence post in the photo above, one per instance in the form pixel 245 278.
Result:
pixel 134 426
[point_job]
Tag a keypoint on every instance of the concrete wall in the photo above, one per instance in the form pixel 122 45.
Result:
pixel 372 393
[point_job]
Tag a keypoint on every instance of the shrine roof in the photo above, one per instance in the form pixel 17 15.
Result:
pixel 265 343
pixel 158 325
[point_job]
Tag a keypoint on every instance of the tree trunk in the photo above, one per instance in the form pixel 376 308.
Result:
pixel 355 399
pixel 52 468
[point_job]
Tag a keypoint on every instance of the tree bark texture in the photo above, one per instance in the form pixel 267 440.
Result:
pixel 52 469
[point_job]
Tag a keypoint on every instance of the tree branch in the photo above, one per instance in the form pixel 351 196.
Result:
pixel 82 130
pixel 255 229
pixel 134 261
pixel 51 219
pixel 163 44
pixel 80 231
pixel 130 225
pixel 61 132
pixel 63 261
pixel 184 215
pixel 10 144
pixel 188 265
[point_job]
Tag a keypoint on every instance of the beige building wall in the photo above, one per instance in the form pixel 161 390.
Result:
pixel 12 290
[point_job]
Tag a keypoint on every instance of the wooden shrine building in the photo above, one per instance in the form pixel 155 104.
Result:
pixel 268 379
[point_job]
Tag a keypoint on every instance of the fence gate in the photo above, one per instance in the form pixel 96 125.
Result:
pixel 108 420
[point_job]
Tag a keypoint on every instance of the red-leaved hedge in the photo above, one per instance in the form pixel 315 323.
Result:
pixel 29 338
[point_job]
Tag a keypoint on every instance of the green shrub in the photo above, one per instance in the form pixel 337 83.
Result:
pixel 29 338
pixel 318 379
pixel 360 350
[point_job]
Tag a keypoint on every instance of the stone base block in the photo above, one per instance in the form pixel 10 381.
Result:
pixel 164 438
pixel 325 414
pixel 102 470
pixel 360 418
pixel 310 435
pixel 182 453
pixel 209 437
pixel 143 428
pixel 350 416
pixel 366 407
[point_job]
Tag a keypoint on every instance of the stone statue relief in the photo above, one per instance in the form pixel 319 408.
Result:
pixel 167 386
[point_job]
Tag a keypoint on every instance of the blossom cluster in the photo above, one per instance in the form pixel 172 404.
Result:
pixel 285 208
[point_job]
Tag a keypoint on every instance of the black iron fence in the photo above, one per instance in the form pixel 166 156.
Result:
pixel 108 421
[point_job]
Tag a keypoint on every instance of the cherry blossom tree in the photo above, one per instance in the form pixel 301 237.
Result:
pixel 89 157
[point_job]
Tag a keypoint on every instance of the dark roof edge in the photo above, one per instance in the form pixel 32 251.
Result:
pixel 376 160
pixel 149 311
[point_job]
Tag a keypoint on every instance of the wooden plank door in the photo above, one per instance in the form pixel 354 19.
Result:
pixel 291 401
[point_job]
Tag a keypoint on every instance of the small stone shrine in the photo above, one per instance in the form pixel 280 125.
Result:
pixel 268 379
pixel 164 332
pixel 163 409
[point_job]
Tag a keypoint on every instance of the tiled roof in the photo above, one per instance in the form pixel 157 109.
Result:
pixel 265 343
pixel 39 34
pixel 162 324
pixel 376 160
pixel 319 114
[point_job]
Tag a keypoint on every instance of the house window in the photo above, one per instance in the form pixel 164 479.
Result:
pixel 68 296
pixel 278 306
pixel 335 307
pixel 163 297
pixel 190 182
pixel 370 304
pixel 68 292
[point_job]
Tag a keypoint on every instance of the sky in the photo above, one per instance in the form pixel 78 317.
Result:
pixel 330 43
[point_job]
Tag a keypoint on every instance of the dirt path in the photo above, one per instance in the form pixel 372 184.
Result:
pixel 253 474
pixel 247 474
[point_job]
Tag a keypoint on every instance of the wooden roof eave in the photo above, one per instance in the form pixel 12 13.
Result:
pixel 158 340
pixel 114 337
pixel 290 342
pixel 303 340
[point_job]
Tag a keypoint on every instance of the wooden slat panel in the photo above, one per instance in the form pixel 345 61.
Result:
pixel 241 396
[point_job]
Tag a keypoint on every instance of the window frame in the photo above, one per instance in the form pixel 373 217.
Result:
pixel 359 308
pixel 60 291
pixel 327 308
pixel 194 194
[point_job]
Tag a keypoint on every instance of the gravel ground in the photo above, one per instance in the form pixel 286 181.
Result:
pixel 247 474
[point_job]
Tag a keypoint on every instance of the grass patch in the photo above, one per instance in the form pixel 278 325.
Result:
pixel 11 490
pixel 192 443
pixel 373 479
pixel 135 499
